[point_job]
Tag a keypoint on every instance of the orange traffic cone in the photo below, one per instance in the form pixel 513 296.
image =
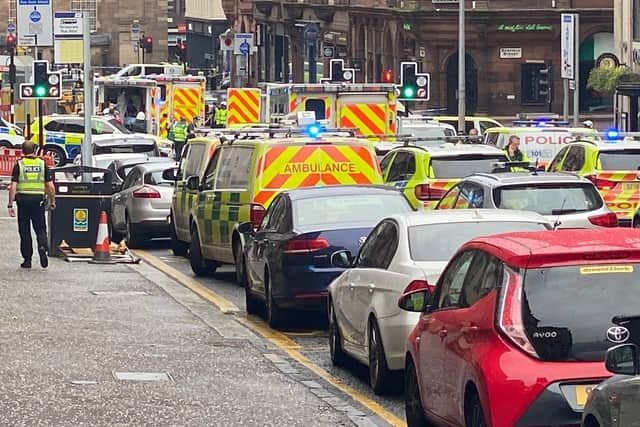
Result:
pixel 102 252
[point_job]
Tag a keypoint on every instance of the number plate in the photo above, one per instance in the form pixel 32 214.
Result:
pixel 582 394
pixel 631 186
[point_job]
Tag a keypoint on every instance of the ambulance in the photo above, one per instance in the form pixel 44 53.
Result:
pixel 369 108
pixel 160 97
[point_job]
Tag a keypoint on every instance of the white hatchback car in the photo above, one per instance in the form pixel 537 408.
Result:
pixel 402 253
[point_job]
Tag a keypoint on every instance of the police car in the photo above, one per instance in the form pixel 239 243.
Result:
pixel 10 135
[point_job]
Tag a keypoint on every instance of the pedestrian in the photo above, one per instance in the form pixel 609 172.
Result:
pixel 165 124
pixel 513 153
pixel 474 136
pixel 587 124
pixel 31 180
pixel 178 134
pixel 221 115
pixel 191 128
pixel 140 124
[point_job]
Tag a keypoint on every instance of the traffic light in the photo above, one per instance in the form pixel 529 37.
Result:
pixel 46 84
pixel 413 85
pixel 11 42
pixel 387 76
pixel 545 84
pixel 182 50
pixel 338 73
pixel 40 79
pixel 148 44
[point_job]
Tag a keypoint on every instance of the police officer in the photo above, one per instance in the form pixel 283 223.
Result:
pixel 31 179
pixel 512 150
pixel 178 134
pixel 221 115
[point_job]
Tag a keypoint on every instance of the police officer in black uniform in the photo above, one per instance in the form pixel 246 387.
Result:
pixel 31 179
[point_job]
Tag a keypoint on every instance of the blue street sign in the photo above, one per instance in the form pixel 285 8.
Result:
pixel 11 28
pixel 135 27
pixel 244 48
pixel 35 16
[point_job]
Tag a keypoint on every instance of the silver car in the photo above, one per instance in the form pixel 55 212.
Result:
pixel 567 200
pixel 139 211
pixel 402 253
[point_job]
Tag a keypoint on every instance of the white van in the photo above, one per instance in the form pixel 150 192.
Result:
pixel 138 70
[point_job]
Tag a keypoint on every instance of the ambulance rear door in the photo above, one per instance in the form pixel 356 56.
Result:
pixel 369 113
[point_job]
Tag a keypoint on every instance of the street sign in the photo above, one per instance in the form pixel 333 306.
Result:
pixel 328 52
pixel 243 43
pixel 35 23
pixel 567 46
pixel 311 32
pixel 11 28
pixel 67 24
pixel 67 34
pixel 135 28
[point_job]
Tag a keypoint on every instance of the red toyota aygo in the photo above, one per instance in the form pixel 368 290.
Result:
pixel 516 330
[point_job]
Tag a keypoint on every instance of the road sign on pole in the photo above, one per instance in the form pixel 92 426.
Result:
pixel 567 45
pixel 35 23
pixel 11 28
pixel 242 43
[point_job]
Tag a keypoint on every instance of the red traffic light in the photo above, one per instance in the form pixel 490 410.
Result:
pixel 387 76
pixel 11 39
pixel 183 46
pixel 148 40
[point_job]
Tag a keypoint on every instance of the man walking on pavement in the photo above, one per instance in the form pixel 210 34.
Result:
pixel 178 134
pixel 31 179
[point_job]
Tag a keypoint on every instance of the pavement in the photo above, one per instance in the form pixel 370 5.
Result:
pixel 121 345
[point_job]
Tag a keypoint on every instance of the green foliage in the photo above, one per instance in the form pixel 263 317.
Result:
pixel 604 79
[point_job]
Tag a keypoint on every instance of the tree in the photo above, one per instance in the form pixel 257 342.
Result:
pixel 605 78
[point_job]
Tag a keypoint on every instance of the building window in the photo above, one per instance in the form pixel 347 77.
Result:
pixel 636 20
pixel 533 91
pixel 89 7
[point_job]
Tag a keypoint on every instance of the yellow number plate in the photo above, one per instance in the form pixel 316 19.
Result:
pixel 582 393
pixel 631 186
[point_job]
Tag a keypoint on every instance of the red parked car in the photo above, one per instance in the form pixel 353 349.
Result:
pixel 516 330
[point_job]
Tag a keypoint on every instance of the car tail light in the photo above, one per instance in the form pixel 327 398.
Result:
pixel 425 192
pixel 606 220
pixel 146 193
pixel 417 285
pixel 601 184
pixel 256 214
pixel 510 314
pixel 305 245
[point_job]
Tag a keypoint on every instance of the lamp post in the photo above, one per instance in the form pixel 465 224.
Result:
pixel 461 69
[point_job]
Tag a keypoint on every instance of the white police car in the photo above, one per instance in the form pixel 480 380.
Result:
pixel 10 135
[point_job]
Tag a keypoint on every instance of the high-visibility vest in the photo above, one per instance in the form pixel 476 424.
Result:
pixel 31 176
pixel 221 116
pixel 179 131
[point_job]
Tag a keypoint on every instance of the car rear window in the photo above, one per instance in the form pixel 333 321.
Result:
pixel 549 199
pixel 119 126
pixel 150 149
pixel 577 331
pixel 155 178
pixel 426 131
pixel 331 210
pixel 464 165
pixel 438 242
pixel 620 160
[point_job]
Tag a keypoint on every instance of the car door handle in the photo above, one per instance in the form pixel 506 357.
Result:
pixel 467 330
pixel 443 333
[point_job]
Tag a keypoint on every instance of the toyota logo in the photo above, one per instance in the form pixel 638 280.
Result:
pixel 618 334
pixel 361 240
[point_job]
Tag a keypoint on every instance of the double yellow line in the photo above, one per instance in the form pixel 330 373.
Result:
pixel 279 339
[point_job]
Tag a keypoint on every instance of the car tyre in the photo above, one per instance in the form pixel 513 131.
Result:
pixel 133 238
pixel 474 415
pixel 199 265
pixel 250 301
pixel 275 315
pixel 412 403
pixel 241 268
pixel 57 154
pixel 178 247
pixel 338 356
pixel 380 377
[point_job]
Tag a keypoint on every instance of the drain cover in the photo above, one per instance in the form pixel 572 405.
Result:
pixel 141 376
pixel 119 293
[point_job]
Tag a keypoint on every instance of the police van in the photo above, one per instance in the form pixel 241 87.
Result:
pixel 10 135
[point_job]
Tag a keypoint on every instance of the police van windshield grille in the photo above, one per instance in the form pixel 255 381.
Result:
pixel 578 331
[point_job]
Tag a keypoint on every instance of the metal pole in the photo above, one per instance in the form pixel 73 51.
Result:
pixel 88 94
pixel 565 100
pixel 39 104
pixel 461 69
pixel 576 91
pixel 12 82
pixel 313 70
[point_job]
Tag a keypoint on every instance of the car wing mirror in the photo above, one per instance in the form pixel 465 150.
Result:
pixel 246 228
pixel 169 174
pixel 415 301
pixel 342 259
pixel 193 182
pixel 623 359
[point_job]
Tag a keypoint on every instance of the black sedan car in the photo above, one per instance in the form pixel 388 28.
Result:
pixel 287 261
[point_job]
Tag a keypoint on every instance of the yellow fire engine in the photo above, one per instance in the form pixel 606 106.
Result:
pixel 370 108
pixel 161 98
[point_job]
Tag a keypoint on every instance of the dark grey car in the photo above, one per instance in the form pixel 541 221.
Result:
pixel 615 402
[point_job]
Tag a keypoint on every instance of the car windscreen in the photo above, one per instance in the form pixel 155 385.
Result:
pixel 460 166
pixel 426 131
pixel 628 160
pixel 438 242
pixel 332 210
pixel 549 199
pixel 128 147
pixel 578 331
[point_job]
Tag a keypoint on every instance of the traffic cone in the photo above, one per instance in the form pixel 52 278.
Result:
pixel 102 252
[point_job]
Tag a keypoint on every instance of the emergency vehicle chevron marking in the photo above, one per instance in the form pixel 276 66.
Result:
pixel 271 155
pixel 243 106
pixel 369 119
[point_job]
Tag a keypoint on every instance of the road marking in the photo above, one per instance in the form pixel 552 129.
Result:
pixel 279 339
pixel 222 303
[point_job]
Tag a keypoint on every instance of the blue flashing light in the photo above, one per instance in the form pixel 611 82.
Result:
pixel 612 134
pixel 542 123
pixel 313 130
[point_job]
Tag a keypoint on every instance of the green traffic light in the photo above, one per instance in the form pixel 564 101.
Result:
pixel 40 91
pixel 408 92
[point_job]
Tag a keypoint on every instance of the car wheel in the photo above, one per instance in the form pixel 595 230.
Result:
pixel 241 268
pixel 412 403
pixel 250 302
pixel 199 265
pixel 134 239
pixel 379 374
pixel 5 144
pixel 57 155
pixel 474 416
pixel 636 222
pixel 338 356
pixel 274 313
pixel 179 248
